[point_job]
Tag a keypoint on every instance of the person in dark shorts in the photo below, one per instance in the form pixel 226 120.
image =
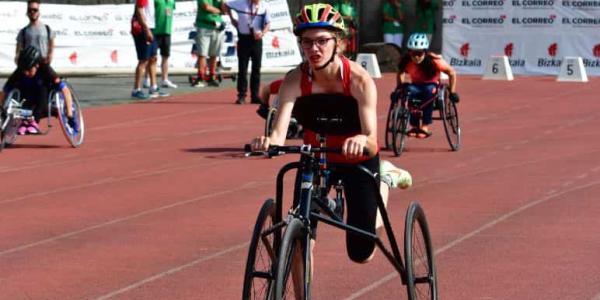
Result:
pixel 328 81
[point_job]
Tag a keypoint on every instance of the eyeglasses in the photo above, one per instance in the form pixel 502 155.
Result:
pixel 32 10
pixel 417 53
pixel 320 42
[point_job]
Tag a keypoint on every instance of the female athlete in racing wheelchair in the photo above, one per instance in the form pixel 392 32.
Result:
pixel 420 90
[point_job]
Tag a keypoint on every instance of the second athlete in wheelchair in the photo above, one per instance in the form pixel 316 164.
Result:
pixel 418 78
pixel 329 83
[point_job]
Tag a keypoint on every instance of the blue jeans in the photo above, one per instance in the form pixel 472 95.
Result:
pixel 423 92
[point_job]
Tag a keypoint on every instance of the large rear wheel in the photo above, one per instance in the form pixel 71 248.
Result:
pixel 421 282
pixel 389 125
pixel 293 273
pixel 260 266
pixel 400 130
pixel 74 135
pixel 270 121
pixel 449 114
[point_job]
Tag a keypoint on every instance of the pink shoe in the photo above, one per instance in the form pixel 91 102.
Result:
pixel 22 129
pixel 33 127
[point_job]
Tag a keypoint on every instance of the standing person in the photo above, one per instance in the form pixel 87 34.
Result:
pixel 425 17
pixel 210 29
pixel 142 24
pixel 393 19
pixel 36 34
pixel 252 24
pixel 162 34
pixel 349 14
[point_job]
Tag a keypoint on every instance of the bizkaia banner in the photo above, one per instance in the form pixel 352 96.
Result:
pixel 98 37
pixel 535 35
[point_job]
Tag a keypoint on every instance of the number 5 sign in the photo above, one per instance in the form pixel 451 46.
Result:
pixel 498 68
pixel 572 69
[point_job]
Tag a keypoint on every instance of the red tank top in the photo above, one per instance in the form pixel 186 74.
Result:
pixel 310 137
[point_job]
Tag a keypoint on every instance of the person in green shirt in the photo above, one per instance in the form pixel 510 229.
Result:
pixel 210 32
pixel 163 10
pixel 350 16
pixel 425 17
pixel 393 22
pixel 347 10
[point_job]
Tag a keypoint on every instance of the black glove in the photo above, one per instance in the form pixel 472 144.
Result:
pixel 454 97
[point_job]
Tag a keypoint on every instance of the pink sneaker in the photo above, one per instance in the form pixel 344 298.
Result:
pixel 33 127
pixel 22 129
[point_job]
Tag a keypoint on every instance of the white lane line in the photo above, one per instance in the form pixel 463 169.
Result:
pixel 248 185
pixel 471 234
pixel 105 181
pixel 172 271
pixel 597 297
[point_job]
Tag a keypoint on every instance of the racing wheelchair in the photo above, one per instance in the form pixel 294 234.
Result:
pixel 403 105
pixel 13 114
pixel 278 243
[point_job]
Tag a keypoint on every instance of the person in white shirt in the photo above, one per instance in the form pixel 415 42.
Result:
pixel 252 23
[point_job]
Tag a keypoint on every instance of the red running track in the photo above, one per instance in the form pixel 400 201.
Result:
pixel 159 203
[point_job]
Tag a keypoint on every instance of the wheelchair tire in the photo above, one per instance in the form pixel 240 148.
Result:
pixel 259 276
pixel 75 138
pixel 270 121
pixel 9 124
pixel 400 130
pixel 293 247
pixel 449 115
pixel 421 281
pixel 389 125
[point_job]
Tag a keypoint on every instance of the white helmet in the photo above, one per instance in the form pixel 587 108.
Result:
pixel 418 41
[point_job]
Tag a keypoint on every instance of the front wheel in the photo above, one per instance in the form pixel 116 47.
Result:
pixel 291 262
pixel 74 135
pixel 421 282
pixel 10 124
pixel 259 275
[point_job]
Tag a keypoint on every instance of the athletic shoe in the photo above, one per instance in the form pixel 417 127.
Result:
pixel 138 94
pixel 393 176
pixel 22 128
pixel 155 93
pixel 212 82
pixel 240 100
pixel 168 84
pixel 198 83
pixel 33 127
pixel 146 82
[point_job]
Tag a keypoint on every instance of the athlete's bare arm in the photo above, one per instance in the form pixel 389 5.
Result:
pixel 362 87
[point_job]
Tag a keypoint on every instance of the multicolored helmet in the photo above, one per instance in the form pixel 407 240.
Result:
pixel 319 15
pixel 418 41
